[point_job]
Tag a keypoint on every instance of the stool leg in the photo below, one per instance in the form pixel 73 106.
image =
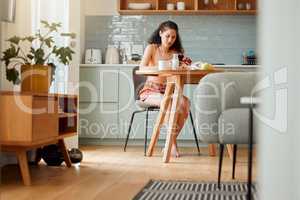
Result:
pixel 128 133
pixel 146 131
pixel 220 164
pixel 194 131
pixel 234 161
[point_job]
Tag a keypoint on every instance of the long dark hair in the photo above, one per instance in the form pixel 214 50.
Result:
pixel 155 37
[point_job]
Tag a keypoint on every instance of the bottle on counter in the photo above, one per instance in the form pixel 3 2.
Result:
pixel 175 61
pixel 244 57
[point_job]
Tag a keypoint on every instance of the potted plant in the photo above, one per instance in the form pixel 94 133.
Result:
pixel 38 63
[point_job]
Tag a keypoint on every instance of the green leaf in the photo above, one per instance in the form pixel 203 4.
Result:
pixel 29 39
pixel 64 54
pixel 15 40
pixel 39 56
pixel 45 23
pixel 55 26
pixel 12 75
pixel 10 53
pixel 49 41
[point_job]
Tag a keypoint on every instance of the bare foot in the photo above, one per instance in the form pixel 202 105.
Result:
pixel 174 151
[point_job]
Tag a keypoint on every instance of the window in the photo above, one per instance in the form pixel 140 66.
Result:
pixel 54 11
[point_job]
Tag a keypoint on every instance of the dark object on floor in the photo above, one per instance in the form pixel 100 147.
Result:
pixel 34 156
pixel 156 190
pixel 52 155
pixel 75 155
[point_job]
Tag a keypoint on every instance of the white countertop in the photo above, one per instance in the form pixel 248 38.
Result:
pixel 108 65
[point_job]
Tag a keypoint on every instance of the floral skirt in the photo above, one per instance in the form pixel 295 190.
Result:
pixel 151 89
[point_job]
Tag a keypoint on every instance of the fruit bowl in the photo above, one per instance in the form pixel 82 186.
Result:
pixel 139 6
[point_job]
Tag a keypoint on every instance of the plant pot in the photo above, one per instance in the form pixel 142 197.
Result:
pixel 35 78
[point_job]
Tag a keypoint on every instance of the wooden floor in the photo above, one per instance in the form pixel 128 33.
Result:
pixel 109 173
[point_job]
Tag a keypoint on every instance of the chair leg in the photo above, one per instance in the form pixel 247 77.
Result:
pixel 220 165
pixel 194 131
pixel 146 131
pixel 234 161
pixel 129 129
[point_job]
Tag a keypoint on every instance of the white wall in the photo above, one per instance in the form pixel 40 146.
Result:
pixel 95 7
pixel 22 26
pixel 279 160
pixel 100 7
pixel 75 27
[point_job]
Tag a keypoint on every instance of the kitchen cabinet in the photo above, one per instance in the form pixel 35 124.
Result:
pixel 192 7
pixel 98 102
pixel 98 120
pixel 98 85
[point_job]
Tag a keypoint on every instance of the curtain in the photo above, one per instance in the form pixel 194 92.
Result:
pixel 54 11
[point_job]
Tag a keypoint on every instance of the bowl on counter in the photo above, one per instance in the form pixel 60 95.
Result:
pixel 139 6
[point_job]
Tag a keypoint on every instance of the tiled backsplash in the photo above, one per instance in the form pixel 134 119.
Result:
pixel 214 39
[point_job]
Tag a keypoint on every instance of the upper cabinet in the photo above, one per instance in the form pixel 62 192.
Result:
pixel 187 7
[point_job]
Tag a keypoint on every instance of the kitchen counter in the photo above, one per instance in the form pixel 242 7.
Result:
pixel 109 65
pixel 133 65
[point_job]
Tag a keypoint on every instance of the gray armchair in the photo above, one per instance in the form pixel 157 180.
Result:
pixel 220 117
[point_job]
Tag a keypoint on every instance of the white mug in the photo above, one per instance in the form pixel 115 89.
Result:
pixel 180 5
pixel 170 6
pixel 164 64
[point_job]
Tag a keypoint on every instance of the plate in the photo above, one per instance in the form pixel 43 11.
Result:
pixel 139 6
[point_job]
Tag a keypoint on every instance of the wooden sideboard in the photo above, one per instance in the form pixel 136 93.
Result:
pixel 33 120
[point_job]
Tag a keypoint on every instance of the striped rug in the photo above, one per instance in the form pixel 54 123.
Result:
pixel 183 190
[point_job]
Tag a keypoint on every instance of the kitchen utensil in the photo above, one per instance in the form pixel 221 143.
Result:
pixel 206 2
pixel 170 6
pixel 180 5
pixel 175 61
pixel 248 6
pixel 112 55
pixel 241 6
pixel 164 64
pixel 139 6
pixel 136 57
pixel 93 56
